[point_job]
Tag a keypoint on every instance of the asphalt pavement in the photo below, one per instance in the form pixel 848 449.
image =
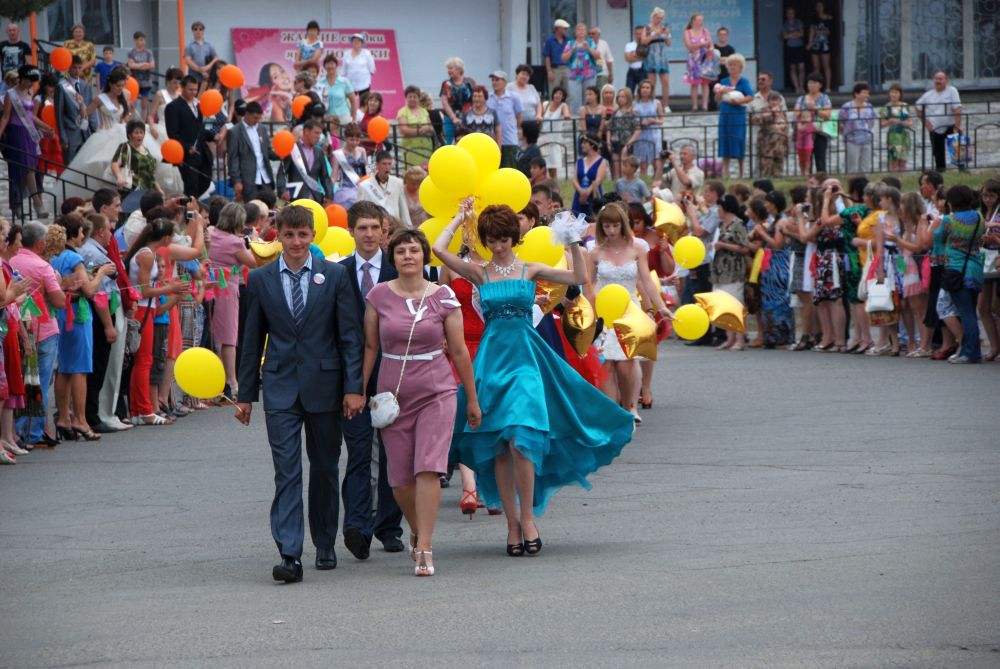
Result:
pixel 774 510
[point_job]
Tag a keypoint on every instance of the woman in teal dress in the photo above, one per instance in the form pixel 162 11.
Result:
pixel 543 426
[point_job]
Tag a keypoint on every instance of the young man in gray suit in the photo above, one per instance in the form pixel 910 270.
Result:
pixel 73 96
pixel 307 166
pixel 312 372
pixel 249 155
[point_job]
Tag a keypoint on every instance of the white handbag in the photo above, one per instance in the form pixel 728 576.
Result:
pixel 384 406
pixel 880 294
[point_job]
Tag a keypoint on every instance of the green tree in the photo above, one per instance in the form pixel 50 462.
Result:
pixel 18 10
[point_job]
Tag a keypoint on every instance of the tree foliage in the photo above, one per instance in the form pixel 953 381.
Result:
pixel 18 10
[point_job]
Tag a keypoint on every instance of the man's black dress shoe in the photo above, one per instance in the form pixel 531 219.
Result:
pixel 289 571
pixel 326 559
pixel 392 545
pixel 357 543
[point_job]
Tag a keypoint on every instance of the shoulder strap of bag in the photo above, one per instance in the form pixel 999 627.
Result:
pixel 972 239
pixel 410 339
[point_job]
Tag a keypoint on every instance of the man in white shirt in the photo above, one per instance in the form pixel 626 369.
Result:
pixel 606 75
pixel 684 174
pixel 249 156
pixel 386 190
pixel 941 111
pixel 636 72
pixel 929 183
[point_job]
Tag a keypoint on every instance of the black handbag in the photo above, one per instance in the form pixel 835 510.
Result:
pixel 953 280
pixel 641 50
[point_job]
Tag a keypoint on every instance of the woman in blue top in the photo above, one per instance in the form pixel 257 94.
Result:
pixel 733 94
pixel 960 234
pixel 340 99
pixel 310 49
pixel 76 338
pixel 543 425
pixel 591 170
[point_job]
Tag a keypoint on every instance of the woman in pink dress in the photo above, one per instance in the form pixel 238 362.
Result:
pixel 408 319
pixel 228 249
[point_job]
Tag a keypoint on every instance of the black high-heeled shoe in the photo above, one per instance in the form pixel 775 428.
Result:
pixel 46 440
pixel 533 546
pixel 67 433
pixel 515 550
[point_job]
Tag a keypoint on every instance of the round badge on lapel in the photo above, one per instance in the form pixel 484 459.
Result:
pixel 319 279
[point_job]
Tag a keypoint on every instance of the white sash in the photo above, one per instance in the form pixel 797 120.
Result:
pixel 300 165
pixel 26 120
pixel 345 167
pixel 71 92
pixel 379 196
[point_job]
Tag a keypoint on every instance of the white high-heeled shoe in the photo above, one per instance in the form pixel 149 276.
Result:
pixel 422 568
pixel 12 448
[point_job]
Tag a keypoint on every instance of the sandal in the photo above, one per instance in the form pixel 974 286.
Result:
pixel 88 434
pixel 154 419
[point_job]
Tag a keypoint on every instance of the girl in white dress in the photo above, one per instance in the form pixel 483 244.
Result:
pixel 553 137
pixel 94 158
pixel 163 97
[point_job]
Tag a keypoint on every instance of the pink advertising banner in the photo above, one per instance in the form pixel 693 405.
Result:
pixel 267 57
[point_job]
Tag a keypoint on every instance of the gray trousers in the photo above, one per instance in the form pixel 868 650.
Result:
pixel 113 377
pixel 859 158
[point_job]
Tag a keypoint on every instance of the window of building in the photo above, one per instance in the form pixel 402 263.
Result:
pixel 99 19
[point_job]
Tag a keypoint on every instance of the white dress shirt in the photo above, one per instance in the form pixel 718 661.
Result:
pixel 358 70
pixel 376 267
pixel 286 280
pixel 260 177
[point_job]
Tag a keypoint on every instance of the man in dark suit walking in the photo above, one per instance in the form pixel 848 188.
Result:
pixel 307 166
pixel 73 96
pixel 312 372
pixel 249 154
pixel 186 124
pixel 366 267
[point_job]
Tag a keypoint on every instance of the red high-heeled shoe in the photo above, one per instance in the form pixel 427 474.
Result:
pixel 468 503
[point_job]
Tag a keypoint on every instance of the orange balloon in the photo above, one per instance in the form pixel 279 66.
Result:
pixel 210 102
pixel 172 152
pixel 336 215
pixel 378 129
pixel 231 76
pixel 132 86
pixel 61 58
pixel 49 115
pixel 299 104
pixel 283 142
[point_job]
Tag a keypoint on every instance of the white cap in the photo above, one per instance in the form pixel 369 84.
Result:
pixel 560 23
pixel 499 74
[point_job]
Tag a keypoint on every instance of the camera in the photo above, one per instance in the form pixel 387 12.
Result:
pixel 805 208
pixel 190 215
pixel 666 154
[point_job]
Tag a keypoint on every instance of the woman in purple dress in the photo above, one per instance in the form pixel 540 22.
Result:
pixel 24 131
pixel 408 318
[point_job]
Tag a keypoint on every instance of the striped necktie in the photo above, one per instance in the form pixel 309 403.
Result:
pixel 298 301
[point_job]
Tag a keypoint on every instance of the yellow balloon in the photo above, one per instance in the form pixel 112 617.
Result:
pixel 320 220
pixel 669 220
pixel 435 202
pixel 724 310
pixel 337 240
pixel 636 333
pixel 453 171
pixel 505 186
pixel 538 246
pixel 689 252
pixel 432 229
pixel 611 303
pixel 484 151
pixel 199 373
pixel 690 322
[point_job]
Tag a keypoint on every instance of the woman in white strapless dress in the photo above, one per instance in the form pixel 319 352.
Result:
pixel 617 259
pixel 114 110
pixel 163 97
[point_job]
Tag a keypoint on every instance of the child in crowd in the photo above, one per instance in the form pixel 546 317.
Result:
pixel 630 187
pixel 141 63
pixel 104 67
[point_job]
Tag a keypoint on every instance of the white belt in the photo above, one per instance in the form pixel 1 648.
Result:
pixel 415 356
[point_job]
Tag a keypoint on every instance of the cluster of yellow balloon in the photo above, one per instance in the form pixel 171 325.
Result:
pixel 635 330
pixel 723 310
pixel 469 168
pixel 199 373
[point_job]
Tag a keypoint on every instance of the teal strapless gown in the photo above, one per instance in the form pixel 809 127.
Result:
pixel 530 395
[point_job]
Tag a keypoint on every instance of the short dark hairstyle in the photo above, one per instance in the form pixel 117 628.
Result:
pixel 173 73
pixel 892 181
pixel 268 197
pixel 137 34
pixel 312 124
pixel 102 198
pixel 799 193
pixel 523 68
pixel 109 48
pixel 716 187
pixel 75 60
pixel 197 25
pixel 777 198
pixel 406 236
pixel 330 58
pixel 817 77
pixel 538 161
pixel 215 205
pixel 860 86
pixel 531 211
pixel 149 201
pixel 765 185
pixel 556 197
pixel 543 189
pixel 252 211
pixel 188 80
pixel 530 129
pixel 72 223
pixel 961 198
pixel 71 204
pixel 498 222
pixel 933 177
pixel 856 187
pixel 382 155
pixel 351 130
pixel 312 25
pixel 767 74
pixel 364 209
pixel 254 107
pixel 411 89
pixel 557 89
pixel 295 216
pixel 134 124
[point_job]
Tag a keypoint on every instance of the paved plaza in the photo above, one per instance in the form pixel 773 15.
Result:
pixel 775 510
